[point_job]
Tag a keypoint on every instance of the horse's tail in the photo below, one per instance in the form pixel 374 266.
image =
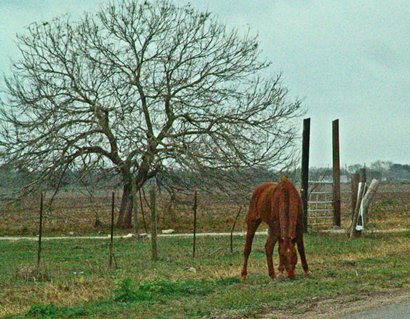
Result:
pixel 288 208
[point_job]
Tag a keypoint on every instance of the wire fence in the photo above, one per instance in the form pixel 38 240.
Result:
pixel 77 212
pixel 74 214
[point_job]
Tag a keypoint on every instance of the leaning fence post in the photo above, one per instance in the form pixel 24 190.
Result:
pixel 367 199
pixel 353 231
pixel 363 179
pixel 40 232
pixel 112 230
pixel 194 208
pixel 153 224
pixel 371 191
pixel 233 227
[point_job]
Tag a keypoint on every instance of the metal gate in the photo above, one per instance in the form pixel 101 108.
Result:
pixel 320 204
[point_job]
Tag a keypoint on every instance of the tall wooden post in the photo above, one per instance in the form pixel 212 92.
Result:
pixel 336 173
pixel 355 188
pixel 194 208
pixel 40 232
pixel 305 170
pixel 111 230
pixel 153 224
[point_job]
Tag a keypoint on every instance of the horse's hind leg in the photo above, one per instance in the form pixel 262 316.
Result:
pixel 270 244
pixel 252 225
pixel 301 250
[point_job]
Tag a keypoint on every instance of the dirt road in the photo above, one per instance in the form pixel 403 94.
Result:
pixel 334 231
pixel 395 311
pixel 34 238
pixel 388 305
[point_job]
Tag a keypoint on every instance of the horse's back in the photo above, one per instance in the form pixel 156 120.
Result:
pixel 286 195
pixel 261 202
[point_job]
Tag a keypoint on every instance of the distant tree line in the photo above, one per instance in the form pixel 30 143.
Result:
pixel 13 178
pixel 384 171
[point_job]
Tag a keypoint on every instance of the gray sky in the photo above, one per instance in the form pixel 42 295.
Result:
pixel 347 59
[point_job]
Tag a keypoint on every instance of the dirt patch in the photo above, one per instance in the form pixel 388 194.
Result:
pixel 340 307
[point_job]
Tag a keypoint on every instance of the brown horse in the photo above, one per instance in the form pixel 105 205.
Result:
pixel 279 206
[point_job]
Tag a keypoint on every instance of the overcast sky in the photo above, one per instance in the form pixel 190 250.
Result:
pixel 347 59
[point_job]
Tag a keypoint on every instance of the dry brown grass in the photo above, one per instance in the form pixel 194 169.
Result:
pixel 73 212
pixel 83 289
pixel 79 276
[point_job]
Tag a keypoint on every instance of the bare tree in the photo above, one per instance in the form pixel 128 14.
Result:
pixel 142 87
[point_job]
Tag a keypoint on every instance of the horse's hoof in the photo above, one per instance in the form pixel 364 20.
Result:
pixel 291 274
pixel 243 277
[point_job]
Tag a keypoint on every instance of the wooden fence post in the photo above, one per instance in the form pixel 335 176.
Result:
pixel 153 224
pixel 111 230
pixel 194 208
pixel 233 227
pixel 135 207
pixel 355 186
pixel 363 175
pixel 142 211
pixel 363 179
pixel 305 171
pixel 336 173
pixel 40 232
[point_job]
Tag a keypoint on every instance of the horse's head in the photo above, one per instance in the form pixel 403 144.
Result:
pixel 291 257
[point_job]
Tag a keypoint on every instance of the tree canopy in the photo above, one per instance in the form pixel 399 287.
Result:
pixel 144 88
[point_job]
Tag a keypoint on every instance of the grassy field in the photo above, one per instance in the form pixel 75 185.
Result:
pixel 73 212
pixel 75 282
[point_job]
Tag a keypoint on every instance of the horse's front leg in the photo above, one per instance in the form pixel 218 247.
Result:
pixel 282 258
pixel 269 246
pixel 252 225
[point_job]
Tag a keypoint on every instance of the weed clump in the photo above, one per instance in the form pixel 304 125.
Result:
pixel 32 273
pixel 42 311
pixel 126 292
pixel 161 289
pixel 52 311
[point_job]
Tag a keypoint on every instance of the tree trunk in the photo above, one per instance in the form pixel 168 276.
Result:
pixel 124 217
pixel 125 214
pixel 128 213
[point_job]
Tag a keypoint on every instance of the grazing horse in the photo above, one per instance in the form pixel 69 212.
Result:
pixel 279 206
